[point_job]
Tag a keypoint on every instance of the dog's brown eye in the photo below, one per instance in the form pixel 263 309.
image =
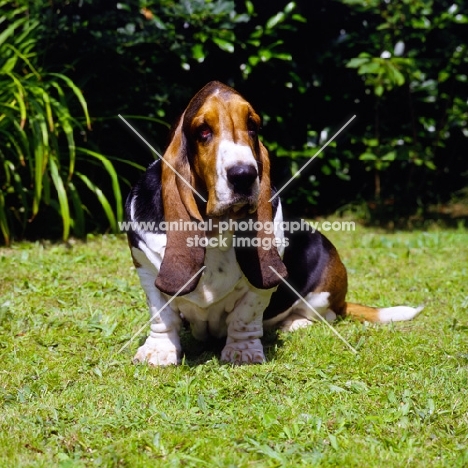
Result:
pixel 204 132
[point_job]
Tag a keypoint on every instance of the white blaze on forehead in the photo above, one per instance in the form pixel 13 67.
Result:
pixel 230 154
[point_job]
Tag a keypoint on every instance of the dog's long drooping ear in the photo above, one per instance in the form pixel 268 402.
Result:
pixel 255 261
pixel 181 259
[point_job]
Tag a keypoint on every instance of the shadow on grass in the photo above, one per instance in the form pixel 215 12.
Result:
pixel 391 215
pixel 199 352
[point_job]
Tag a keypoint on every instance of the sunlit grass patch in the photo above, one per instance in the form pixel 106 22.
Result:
pixel 70 399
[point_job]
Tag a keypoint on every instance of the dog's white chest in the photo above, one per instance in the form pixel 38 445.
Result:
pixel 220 288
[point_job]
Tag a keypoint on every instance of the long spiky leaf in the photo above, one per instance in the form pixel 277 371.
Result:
pixel 66 121
pixel 78 94
pixel 39 158
pixel 26 154
pixel 102 200
pixel 126 161
pixel 25 59
pixel 20 191
pixel 114 178
pixel 48 109
pixel 20 96
pixel 62 197
pixel 4 35
pixel 78 221
pixel 4 226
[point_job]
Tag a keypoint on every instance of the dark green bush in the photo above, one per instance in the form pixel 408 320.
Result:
pixel 400 67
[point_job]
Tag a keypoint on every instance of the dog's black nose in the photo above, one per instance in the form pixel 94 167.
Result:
pixel 242 177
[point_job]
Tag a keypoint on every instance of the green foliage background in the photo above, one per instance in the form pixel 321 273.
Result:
pixel 401 67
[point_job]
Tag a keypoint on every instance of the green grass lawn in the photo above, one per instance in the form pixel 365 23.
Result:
pixel 69 399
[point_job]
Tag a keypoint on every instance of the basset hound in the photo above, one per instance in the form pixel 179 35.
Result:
pixel 184 211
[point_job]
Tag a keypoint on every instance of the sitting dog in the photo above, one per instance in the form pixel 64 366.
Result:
pixel 189 213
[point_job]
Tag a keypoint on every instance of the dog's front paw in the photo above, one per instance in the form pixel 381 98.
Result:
pixel 158 353
pixel 296 324
pixel 243 352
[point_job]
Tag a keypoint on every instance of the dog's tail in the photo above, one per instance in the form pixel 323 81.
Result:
pixel 383 315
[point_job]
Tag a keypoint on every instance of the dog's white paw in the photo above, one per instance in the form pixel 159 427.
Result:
pixel 244 352
pixel 158 353
pixel 296 324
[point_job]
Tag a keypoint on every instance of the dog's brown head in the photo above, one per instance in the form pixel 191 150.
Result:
pixel 216 151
